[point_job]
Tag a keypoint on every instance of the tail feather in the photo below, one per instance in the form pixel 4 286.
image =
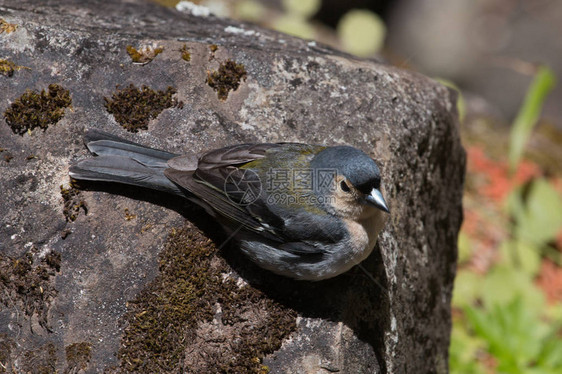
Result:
pixel 92 135
pixel 122 161
pixel 103 144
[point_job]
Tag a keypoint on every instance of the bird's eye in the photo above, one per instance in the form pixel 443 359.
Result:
pixel 344 186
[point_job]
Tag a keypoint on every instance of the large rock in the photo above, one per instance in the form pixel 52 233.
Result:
pixel 93 281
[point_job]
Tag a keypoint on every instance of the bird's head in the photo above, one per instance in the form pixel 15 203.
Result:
pixel 355 189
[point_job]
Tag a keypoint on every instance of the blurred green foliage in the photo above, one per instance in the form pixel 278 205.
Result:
pixel 506 316
pixel 296 26
pixel 303 8
pixel 529 113
pixel 517 337
pixel 249 10
pixel 296 19
pixel 461 105
pixel 361 32
pixel 537 211
pixel 502 322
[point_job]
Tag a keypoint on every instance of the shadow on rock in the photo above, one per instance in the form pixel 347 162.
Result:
pixel 358 298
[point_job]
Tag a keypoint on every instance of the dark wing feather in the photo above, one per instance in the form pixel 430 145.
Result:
pixel 302 249
pixel 243 188
pixel 300 252
pixel 234 155
pixel 214 197
pixel 218 182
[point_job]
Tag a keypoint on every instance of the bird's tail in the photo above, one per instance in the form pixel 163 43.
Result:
pixel 121 161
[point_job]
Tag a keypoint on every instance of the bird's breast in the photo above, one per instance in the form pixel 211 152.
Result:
pixel 363 234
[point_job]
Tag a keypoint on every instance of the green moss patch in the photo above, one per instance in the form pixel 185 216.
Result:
pixel 144 55
pixel 7 68
pixel 37 109
pixel 73 204
pixel 27 283
pixel 227 78
pixel 134 108
pixel 185 55
pixel 177 313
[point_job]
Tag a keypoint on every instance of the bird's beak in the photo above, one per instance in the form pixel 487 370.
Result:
pixel 375 199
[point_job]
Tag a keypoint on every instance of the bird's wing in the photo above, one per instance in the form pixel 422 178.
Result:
pixel 303 249
pixel 235 155
pixel 229 189
pixel 234 191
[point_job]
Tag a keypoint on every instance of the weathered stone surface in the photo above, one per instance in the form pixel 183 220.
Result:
pixel 393 317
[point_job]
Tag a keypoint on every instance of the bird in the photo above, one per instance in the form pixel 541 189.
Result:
pixel 307 212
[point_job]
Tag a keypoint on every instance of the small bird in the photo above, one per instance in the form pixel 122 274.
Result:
pixel 308 212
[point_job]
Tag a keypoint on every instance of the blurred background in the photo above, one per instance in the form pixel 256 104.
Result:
pixel 504 57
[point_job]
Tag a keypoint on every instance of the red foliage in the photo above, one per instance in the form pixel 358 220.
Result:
pixel 498 181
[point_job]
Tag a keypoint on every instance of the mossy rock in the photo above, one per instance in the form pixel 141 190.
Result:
pixel 130 286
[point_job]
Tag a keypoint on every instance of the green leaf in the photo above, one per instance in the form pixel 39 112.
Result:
pixel 522 255
pixel 503 284
pixel 512 324
pixel 538 217
pixel 529 113
pixel 514 333
pixel 551 354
